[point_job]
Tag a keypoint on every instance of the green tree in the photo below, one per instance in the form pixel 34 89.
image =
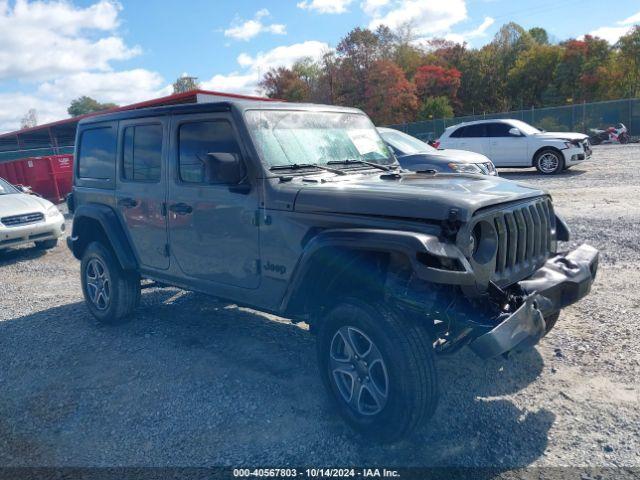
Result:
pixel 532 73
pixel 539 35
pixel 628 63
pixel 84 105
pixel 435 107
pixel 185 83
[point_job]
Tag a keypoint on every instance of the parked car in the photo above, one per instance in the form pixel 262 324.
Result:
pixel 302 211
pixel 513 143
pixel 416 155
pixel 27 218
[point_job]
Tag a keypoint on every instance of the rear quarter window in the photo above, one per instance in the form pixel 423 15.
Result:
pixel 457 133
pixel 97 153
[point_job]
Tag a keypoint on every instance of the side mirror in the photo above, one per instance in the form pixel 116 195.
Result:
pixel 224 167
pixel 515 132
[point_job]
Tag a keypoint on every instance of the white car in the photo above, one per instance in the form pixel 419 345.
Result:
pixel 513 143
pixel 27 219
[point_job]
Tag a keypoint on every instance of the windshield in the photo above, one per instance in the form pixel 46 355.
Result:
pixel 524 127
pixel 305 137
pixel 404 143
pixel 6 187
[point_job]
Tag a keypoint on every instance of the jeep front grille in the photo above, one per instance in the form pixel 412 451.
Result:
pixel 17 220
pixel 524 239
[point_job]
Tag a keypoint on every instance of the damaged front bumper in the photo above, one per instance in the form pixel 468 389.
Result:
pixel 562 281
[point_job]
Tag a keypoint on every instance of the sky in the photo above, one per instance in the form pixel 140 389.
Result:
pixel 53 51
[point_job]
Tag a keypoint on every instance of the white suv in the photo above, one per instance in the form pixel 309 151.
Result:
pixel 513 143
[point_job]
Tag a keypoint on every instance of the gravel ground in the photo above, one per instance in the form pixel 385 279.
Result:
pixel 195 382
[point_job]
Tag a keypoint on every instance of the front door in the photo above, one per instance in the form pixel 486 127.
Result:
pixel 505 149
pixel 141 188
pixel 213 233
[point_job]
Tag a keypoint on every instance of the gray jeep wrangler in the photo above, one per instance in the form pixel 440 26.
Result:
pixel 302 211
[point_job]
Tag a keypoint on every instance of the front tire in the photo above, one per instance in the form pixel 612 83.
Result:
pixel 378 368
pixel 111 293
pixel 549 162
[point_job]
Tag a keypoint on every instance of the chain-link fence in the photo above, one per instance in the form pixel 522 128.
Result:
pixel 569 118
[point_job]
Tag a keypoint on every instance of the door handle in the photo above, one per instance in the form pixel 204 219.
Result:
pixel 128 202
pixel 181 208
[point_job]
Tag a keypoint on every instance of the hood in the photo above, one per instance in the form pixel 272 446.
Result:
pixel 447 156
pixel 413 195
pixel 20 203
pixel 562 135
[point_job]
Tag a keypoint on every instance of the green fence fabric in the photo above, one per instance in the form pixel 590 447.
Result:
pixel 569 118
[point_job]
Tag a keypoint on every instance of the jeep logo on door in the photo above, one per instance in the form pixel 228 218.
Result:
pixel 270 267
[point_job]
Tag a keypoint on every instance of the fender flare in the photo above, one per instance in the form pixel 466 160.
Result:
pixel 112 228
pixel 408 243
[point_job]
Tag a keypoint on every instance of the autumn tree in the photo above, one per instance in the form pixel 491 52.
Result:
pixel 434 81
pixel 285 84
pixel 84 105
pixel 390 97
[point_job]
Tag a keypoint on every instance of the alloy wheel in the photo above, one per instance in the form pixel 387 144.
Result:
pixel 98 283
pixel 358 371
pixel 548 162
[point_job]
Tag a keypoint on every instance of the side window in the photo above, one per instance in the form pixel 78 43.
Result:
pixel 498 129
pixel 142 153
pixel 196 140
pixel 97 153
pixel 458 133
pixel 477 130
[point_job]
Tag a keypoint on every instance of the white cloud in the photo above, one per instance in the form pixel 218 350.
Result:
pixel 479 31
pixel 52 98
pixel 610 34
pixel 425 18
pixel 373 7
pixel 43 39
pixel 253 68
pixel 246 30
pixel 613 34
pixel 325 6
pixel 630 20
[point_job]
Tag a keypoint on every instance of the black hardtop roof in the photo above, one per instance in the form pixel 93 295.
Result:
pixel 240 105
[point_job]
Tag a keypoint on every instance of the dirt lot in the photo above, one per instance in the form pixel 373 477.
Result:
pixel 194 382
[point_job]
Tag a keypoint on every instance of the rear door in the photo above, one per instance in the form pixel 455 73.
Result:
pixel 474 139
pixel 506 150
pixel 141 188
pixel 213 229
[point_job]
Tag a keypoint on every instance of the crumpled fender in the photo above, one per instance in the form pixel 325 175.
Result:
pixel 408 243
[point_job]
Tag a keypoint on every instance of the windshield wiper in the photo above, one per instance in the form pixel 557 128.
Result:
pixel 347 161
pixel 298 166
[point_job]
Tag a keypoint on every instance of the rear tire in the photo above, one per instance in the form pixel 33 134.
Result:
pixel 47 244
pixel 378 368
pixel 111 293
pixel 549 162
pixel 550 322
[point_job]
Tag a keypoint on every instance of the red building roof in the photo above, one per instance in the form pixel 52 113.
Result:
pixel 175 99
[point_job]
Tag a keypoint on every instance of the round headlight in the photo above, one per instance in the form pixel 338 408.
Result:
pixel 483 242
